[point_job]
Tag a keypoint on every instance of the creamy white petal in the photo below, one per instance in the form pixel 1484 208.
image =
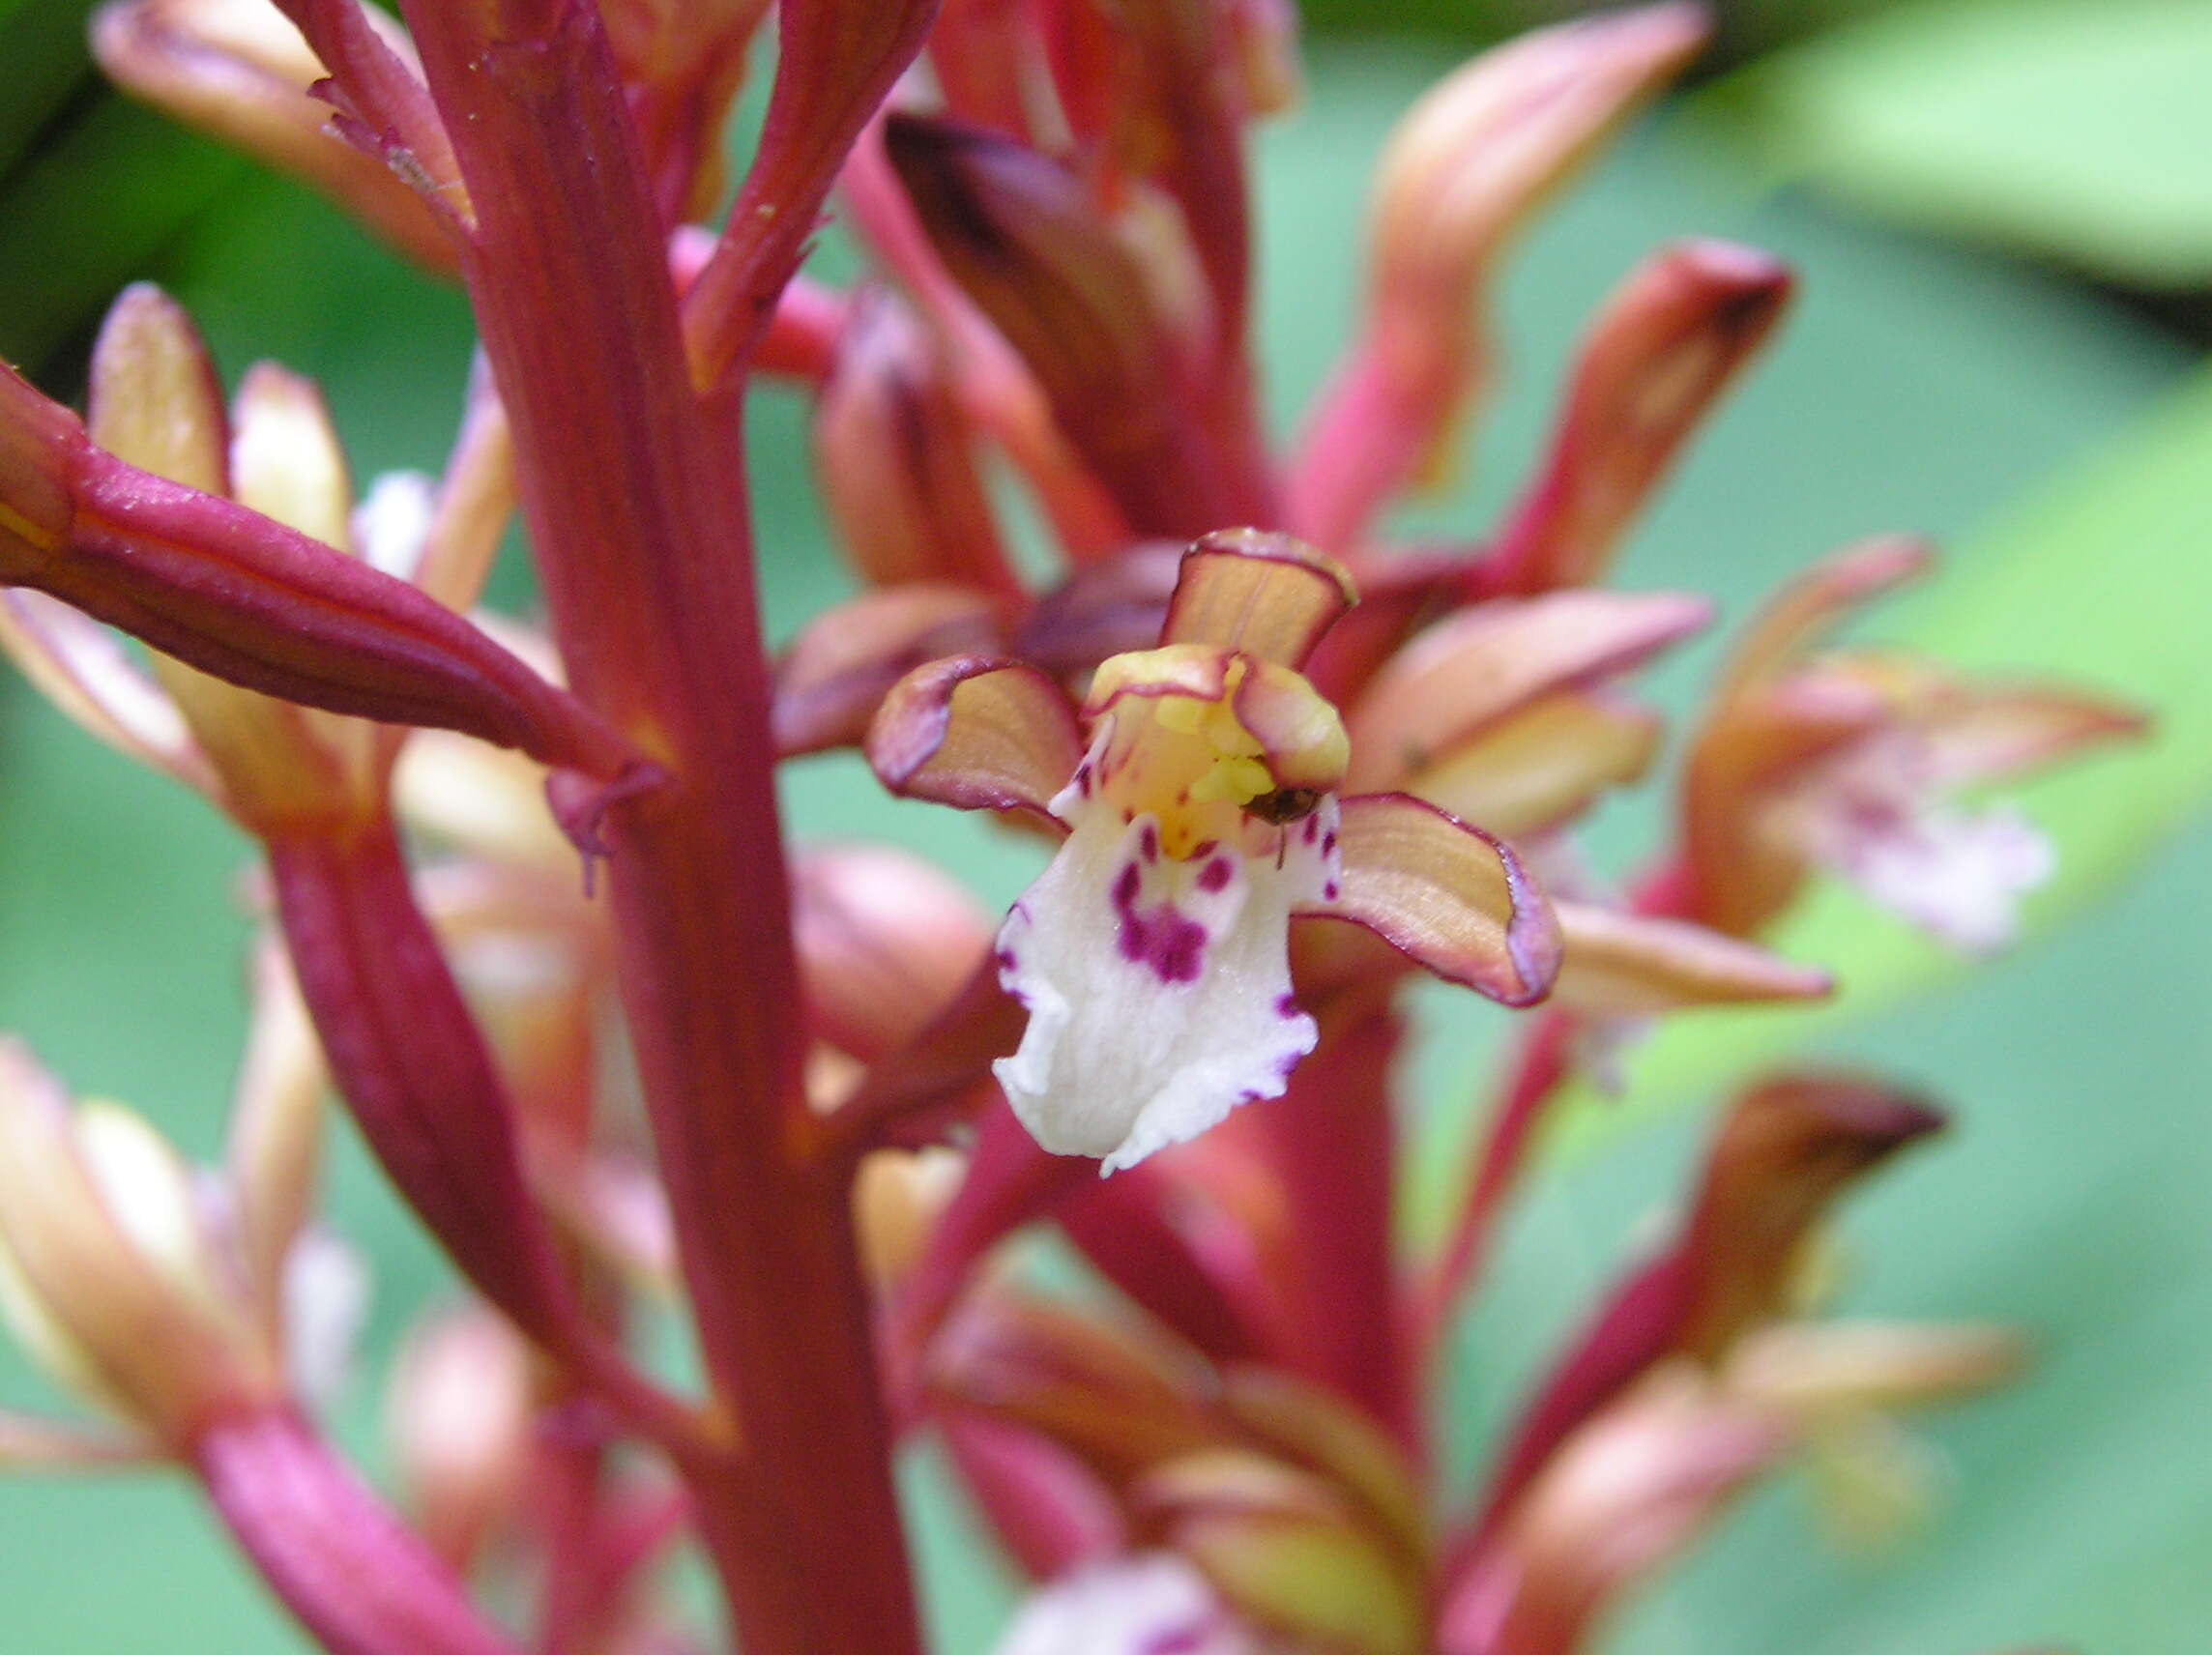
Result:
pixel 1956 875
pixel 1159 989
pixel 1153 1604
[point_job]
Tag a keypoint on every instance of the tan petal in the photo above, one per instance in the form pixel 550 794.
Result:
pixel 1463 676
pixel 154 400
pixel 976 733
pixel 834 675
pixel 1282 1548
pixel 1997 733
pixel 124 1313
pixel 885 942
pixel 1666 345
pixel 1807 1369
pixel 1545 765
pixel 84 670
pixel 1620 964
pixel 1818 601
pixel 1267 595
pixel 1449 896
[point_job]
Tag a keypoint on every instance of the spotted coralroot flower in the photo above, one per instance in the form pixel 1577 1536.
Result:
pixel 1859 761
pixel 1197 785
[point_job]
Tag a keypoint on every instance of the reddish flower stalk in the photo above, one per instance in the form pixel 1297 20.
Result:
pixel 636 508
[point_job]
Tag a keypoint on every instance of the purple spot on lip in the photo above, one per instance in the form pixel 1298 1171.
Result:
pixel 1286 1005
pixel 1328 844
pixel 1005 959
pixel 1286 1064
pixel 1170 944
pixel 1175 1641
pixel 1214 875
pixel 1312 827
pixel 1330 891
pixel 1148 843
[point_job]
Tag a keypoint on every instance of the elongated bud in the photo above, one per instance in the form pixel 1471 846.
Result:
pixel 274 1153
pixel 1019 234
pixel 682 64
pixel 1263 37
pixel 458 1418
pixel 1464 171
pixel 109 1268
pixel 835 64
pixel 1663 352
pixel 896 459
pixel 1119 1401
pixel 1631 1489
pixel 884 943
pixel 239 71
pixel 1288 1552
pixel 1788 1150
pixel 260 606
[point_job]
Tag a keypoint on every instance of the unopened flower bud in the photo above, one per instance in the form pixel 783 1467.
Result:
pixel 896 459
pixel 110 1272
pixel 1263 35
pixel 241 71
pixel 1288 1552
pixel 1082 306
pixel 1464 171
pixel 885 941
pixel 154 404
pixel 897 1197
pixel 1660 355
pixel 1630 1491
pixel 458 1419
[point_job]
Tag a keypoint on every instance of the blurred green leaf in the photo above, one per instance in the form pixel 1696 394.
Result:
pixel 88 210
pixel 41 42
pixel 2076 129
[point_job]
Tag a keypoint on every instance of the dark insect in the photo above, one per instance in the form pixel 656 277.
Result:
pixel 1284 804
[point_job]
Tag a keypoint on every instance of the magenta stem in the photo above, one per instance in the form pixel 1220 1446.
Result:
pixel 358 1580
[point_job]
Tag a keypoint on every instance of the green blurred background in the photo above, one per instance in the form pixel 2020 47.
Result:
pixel 2002 213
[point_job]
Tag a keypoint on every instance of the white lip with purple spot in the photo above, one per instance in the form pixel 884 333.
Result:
pixel 1158 987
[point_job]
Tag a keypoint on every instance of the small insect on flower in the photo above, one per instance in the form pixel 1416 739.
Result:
pixel 1199 785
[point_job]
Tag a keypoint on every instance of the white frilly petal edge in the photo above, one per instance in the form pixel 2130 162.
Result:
pixel 1159 991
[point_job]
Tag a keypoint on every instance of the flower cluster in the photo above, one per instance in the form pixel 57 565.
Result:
pixel 619 1047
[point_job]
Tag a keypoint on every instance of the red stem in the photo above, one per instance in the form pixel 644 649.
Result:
pixel 358 1580
pixel 1333 1142
pixel 634 498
